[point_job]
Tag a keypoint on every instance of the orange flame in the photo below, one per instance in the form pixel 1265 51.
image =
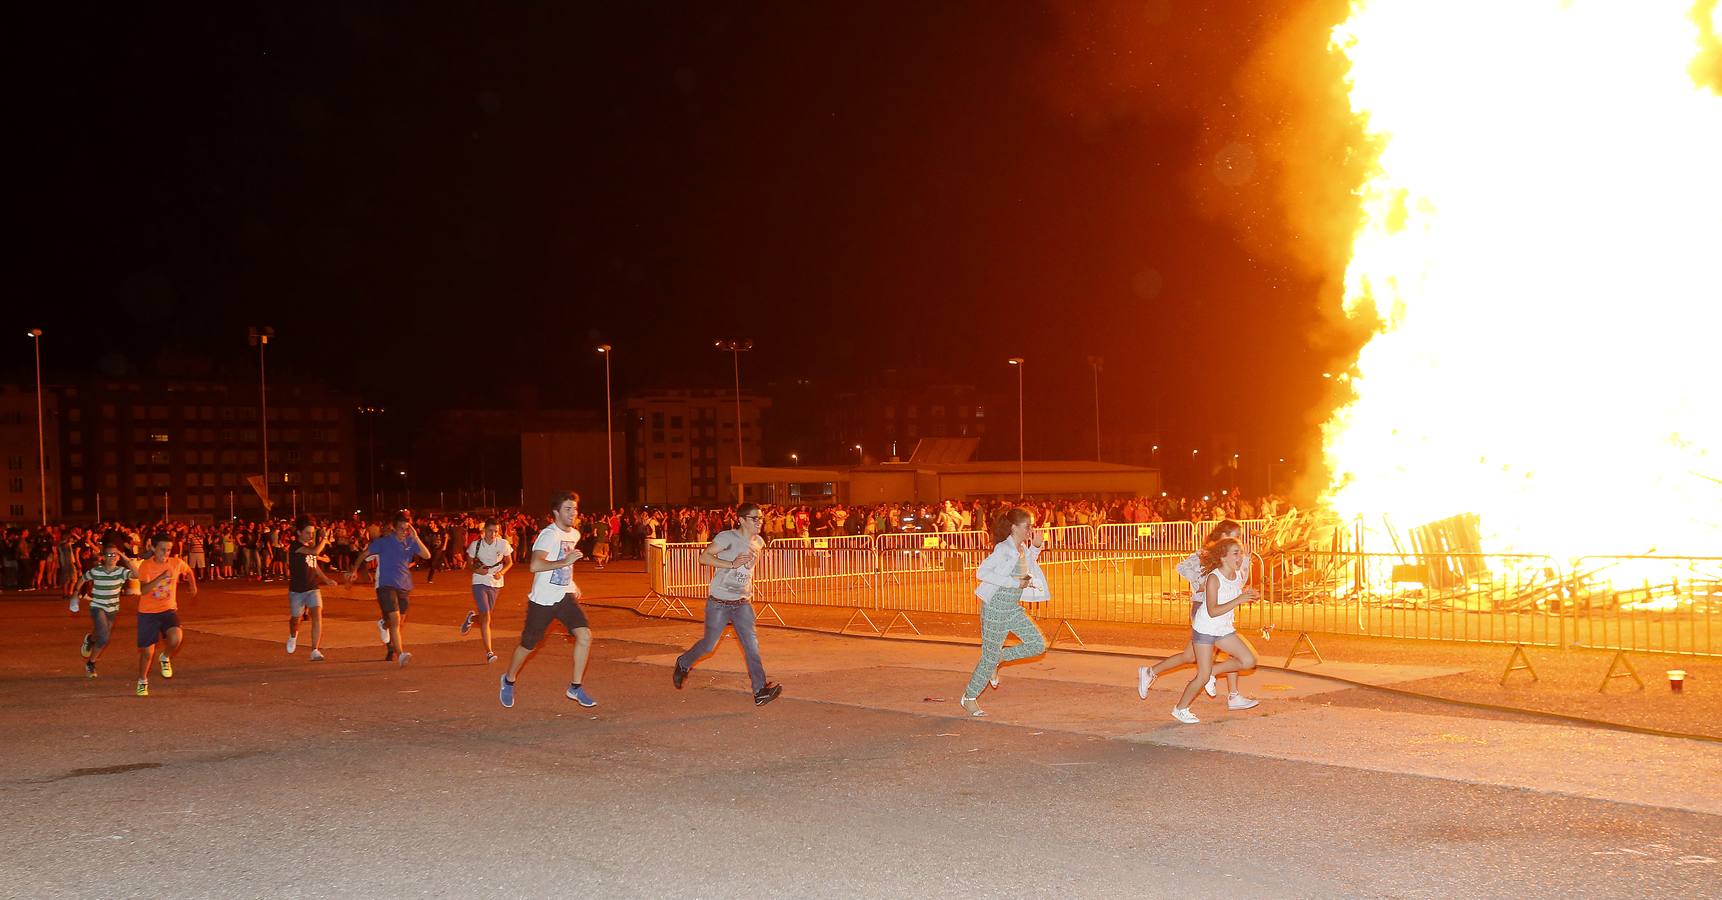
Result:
pixel 1541 242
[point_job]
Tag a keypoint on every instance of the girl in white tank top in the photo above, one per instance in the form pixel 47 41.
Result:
pixel 1221 625
pixel 1211 626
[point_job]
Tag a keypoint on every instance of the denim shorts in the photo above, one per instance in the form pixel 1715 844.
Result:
pixel 1196 637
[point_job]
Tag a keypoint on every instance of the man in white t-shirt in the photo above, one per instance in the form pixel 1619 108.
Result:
pixel 488 558
pixel 733 554
pixel 554 597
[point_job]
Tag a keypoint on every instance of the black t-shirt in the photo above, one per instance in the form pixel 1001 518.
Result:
pixel 300 565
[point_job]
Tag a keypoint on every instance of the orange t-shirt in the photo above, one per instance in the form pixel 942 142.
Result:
pixel 165 595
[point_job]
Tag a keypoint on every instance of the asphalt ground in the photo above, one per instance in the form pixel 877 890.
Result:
pixel 256 773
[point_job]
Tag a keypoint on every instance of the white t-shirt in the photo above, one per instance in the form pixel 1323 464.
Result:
pixel 548 588
pixel 737 583
pixel 488 555
pixel 1219 626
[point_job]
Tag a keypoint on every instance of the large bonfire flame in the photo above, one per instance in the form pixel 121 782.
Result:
pixel 1541 242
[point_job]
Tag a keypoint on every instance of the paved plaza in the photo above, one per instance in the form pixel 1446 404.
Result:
pixel 255 773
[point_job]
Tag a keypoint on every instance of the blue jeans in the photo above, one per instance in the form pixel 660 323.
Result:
pixel 718 616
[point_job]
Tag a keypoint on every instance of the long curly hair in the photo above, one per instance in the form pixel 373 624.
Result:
pixel 1216 551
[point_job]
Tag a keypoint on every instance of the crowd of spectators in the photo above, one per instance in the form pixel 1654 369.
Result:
pixel 51 557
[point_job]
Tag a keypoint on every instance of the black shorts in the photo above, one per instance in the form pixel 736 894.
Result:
pixel 538 618
pixel 392 600
pixel 152 627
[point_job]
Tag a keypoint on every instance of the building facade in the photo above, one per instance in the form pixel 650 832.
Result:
pixel 682 444
pixel 135 449
pixel 21 494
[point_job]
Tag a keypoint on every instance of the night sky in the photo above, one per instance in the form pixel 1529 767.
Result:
pixel 417 195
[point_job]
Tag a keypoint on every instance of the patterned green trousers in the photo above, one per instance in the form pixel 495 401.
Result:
pixel 1001 616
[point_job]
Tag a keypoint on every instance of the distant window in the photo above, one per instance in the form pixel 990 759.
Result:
pixel 158 437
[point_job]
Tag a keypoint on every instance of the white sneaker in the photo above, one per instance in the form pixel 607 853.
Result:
pixel 405 657
pixel 1185 716
pixel 383 630
pixel 316 655
pixel 74 604
pixel 1239 701
pixel 292 642
pixel 1144 678
pixel 1211 687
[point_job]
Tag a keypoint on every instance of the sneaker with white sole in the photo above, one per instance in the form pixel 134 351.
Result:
pixel 383 630
pixel 506 695
pixel 1144 679
pixel 292 643
pixel 489 657
pixel 143 689
pixel 316 655
pixel 1239 701
pixel 405 658
pixel 1212 687
pixel 579 695
pixel 467 625
pixel 89 645
pixel 166 666
pixel 1185 716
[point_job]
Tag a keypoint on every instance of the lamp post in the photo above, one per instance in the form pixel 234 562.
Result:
pixel 1021 467
pixel 407 488
pixel 860 455
pixel 41 442
pixel 1095 363
pixel 370 413
pixel 795 459
pixel 610 422
pixel 259 338
pixel 736 349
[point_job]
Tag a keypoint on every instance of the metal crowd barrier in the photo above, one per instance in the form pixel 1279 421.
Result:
pixel 1650 604
pixel 1126 573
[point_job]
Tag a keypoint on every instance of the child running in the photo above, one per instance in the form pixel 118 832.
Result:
pixel 305 580
pixel 1009 577
pixel 1222 592
pixel 158 608
pixel 107 580
pixel 1191 570
pixel 489 558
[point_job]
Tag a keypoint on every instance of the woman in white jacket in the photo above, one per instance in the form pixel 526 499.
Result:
pixel 1008 577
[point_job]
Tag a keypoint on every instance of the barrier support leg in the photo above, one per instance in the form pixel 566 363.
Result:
pixel 1524 662
pixel 762 609
pixel 1058 632
pixel 904 618
pixel 1297 649
pixel 1619 662
pixel 862 615
pixel 649 604
pixel 672 604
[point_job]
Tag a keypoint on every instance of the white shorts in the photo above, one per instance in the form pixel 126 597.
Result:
pixel 299 601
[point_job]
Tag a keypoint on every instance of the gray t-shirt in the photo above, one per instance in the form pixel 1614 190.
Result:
pixel 734 584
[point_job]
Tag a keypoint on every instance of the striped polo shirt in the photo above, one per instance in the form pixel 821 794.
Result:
pixel 106 585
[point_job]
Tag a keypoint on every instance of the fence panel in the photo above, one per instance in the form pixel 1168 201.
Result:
pixel 833 542
pixel 1467 597
pixel 1073 536
pixel 1107 585
pixel 1648 604
pixel 930 571
pixel 817 576
pixel 1148 537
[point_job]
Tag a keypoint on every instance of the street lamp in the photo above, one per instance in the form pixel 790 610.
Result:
pixel 860 455
pixel 259 338
pixel 609 424
pixel 370 413
pixel 407 487
pixel 736 349
pixel 1021 468
pixel 795 459
pixel 41 443
pixel 1095 363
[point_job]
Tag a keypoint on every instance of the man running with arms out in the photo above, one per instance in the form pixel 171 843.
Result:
pixel 305 579
pixel 554 597
pixel 107 580
pixel 733 554
pixel 158 607
pixel 394 551
pixel 490 557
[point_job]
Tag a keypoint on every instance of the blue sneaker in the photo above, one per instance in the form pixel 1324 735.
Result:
pixel 579 695
pixel 507 695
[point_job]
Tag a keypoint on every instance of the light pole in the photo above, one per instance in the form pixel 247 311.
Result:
pixel 370 413
pixel 1021 467
pixel 259 338
pixel 407 488
pixel 736 349
pixel 609 424
pixel 860 455
pixel 1095 363
pixel 41 442
pixel 795 459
